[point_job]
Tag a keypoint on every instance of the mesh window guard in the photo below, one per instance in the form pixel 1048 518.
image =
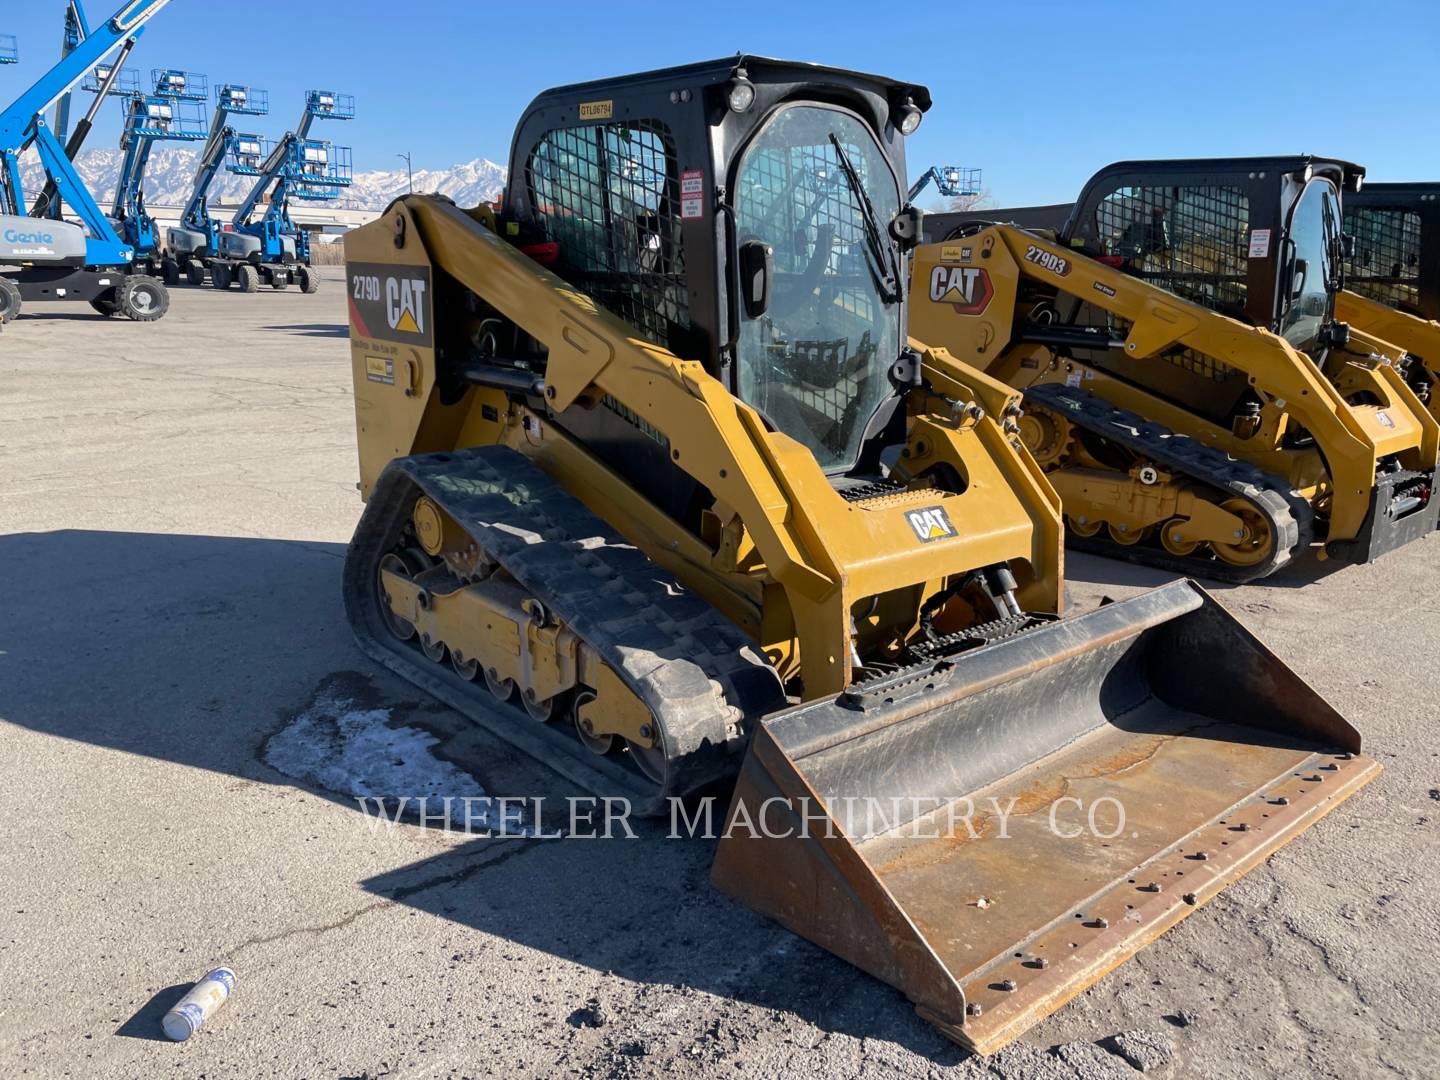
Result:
pixel 609 196
pixel 799 192
pixel 1191 241
pixel 1385 265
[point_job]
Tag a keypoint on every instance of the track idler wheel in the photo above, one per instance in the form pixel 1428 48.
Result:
pixel 1084 529
pixel 403 629
pixel 650 760
pixel 1255 542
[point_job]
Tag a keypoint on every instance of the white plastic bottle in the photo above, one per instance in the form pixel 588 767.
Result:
pixel 207 995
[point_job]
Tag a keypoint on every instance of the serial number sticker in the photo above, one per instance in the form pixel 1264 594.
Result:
pixel 1260 244
pixel 597 110
pixel 380 369
pixel 1073 379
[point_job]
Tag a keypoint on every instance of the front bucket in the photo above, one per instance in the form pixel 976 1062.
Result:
pixel 992 834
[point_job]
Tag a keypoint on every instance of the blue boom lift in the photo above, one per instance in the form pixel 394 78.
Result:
pixel 273 250
pixel 196 241
pixel 171 113
pixel 44 257
pixel 951 181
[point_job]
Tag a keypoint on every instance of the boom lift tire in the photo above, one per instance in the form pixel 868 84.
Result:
pixel 248 278
pixel 10 301
pixel 309 280
pixel 142 298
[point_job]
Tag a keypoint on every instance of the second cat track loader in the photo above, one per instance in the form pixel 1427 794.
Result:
pixel 658 490
pixel 1188 386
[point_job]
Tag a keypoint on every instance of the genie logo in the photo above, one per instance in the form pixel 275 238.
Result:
pixel 14 236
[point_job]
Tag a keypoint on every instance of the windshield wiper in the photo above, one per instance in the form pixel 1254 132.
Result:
pixel 884 271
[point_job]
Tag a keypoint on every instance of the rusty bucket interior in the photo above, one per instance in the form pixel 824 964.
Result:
pixel 993 834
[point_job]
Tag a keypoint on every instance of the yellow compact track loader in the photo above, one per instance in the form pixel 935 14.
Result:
pixel 1188 387
pixel 647 456
pixel 1392 274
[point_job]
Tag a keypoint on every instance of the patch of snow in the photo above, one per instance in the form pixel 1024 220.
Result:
pixel 355 751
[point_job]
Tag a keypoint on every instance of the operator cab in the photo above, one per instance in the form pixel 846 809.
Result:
pixel 738 212
pixel 1258 239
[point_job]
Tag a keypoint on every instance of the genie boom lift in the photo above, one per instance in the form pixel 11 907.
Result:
pixel 44 258
pixel 196 241
pixel 273 250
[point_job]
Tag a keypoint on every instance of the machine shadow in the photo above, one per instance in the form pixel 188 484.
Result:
pixel 166 645
pixel 643 908
pixel 1086 568
pixel 196 649
pixel 320 330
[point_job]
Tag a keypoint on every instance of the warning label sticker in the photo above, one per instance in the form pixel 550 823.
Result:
pixel 692 194
pixel 1260 244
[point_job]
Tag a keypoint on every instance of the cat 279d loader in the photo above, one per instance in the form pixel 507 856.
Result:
pixel 1188 387
pixel 647 454
pixel 1392 274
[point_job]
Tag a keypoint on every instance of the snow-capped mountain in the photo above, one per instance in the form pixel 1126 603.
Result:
pixel 171 174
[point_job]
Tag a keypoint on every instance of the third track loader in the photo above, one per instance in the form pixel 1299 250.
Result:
pixel 658 491
pixel 1188 387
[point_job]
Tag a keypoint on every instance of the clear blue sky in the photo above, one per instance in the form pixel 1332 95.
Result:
pixel 1039 95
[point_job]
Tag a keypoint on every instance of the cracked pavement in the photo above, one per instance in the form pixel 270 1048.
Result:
pixel 175 499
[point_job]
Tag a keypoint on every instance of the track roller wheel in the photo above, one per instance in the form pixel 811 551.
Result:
pixel 542 712
pixel 469 670
pixel 1087 529
pixel 309 280
pixel 501 688
pixel 1255 543
pixel 596 744
pixel 248 278
pixel 1171 542
pixel 195 273
pixel 10 300
pixel 433 648
pixel 143 299
pixel 1127 537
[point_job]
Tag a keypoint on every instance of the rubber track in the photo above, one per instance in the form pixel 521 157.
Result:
pixel 1290 516
pixel 700 676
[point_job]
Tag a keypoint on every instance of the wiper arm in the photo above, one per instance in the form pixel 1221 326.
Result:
pixel 882 270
